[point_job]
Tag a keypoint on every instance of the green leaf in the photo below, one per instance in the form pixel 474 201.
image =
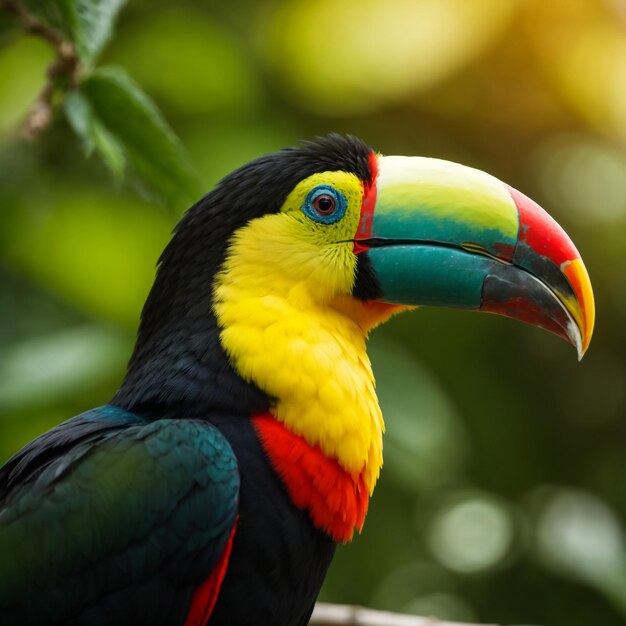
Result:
pixel 87 23
pixel 94 135
pixel 113 116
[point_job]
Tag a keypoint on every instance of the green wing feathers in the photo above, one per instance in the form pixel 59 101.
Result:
pixel 146 501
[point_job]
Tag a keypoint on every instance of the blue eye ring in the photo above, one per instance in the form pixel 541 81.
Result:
pixel 325 205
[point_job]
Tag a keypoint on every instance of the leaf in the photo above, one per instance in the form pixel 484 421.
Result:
pixel 95 136
pixel 87 23
pixel 113 116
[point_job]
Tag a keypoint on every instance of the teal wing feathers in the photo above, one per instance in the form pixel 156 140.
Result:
pixel 123 515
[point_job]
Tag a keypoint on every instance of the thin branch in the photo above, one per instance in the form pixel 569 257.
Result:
pixel 67 64
pixel 31 24
pixel 345 615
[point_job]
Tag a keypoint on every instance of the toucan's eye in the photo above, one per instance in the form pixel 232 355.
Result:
pixel 325 204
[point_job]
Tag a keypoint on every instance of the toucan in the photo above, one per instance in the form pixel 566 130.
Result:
pixel 246 439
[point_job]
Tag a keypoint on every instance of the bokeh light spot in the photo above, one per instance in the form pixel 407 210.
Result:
pixel 372 52
pixel 425 442
pixel 578 532
pixel 585 175
pixel 471 533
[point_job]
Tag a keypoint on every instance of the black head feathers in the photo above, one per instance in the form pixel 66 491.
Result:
pixel 261 186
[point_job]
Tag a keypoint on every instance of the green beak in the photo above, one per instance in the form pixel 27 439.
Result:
pixel 442 234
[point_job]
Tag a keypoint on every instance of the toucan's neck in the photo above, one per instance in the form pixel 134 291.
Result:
pixel 184 372
pixel 310 358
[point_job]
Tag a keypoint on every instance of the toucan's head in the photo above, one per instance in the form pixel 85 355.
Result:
pixel 413 231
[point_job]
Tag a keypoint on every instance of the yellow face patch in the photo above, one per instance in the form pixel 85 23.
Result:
pixel 277 300
pixel 314 251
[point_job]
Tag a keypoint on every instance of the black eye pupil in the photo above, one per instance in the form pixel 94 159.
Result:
pixel 324 204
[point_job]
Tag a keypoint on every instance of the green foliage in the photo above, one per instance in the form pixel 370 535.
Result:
pixel 105 108
pixel 113 116
pixel 94 133
pixel 88 24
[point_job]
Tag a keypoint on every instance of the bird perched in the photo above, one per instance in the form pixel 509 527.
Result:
pixel 246 438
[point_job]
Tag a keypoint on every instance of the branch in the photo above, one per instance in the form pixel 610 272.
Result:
pixel 66 64
pixel 31 24
pixel 345 615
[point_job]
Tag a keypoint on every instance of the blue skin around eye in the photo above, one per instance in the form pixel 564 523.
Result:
pixel 341 204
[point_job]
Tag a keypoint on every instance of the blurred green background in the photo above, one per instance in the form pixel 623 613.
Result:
pixel 503 495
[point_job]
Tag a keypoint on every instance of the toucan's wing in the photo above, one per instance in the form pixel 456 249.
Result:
pixel 109 518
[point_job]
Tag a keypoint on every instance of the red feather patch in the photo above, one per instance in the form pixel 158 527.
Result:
pixel 205 596
pixel 335 500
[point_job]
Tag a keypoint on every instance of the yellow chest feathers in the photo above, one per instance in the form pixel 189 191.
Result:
pixel 307 352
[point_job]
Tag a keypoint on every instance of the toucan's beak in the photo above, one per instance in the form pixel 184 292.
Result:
pixel 442 234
